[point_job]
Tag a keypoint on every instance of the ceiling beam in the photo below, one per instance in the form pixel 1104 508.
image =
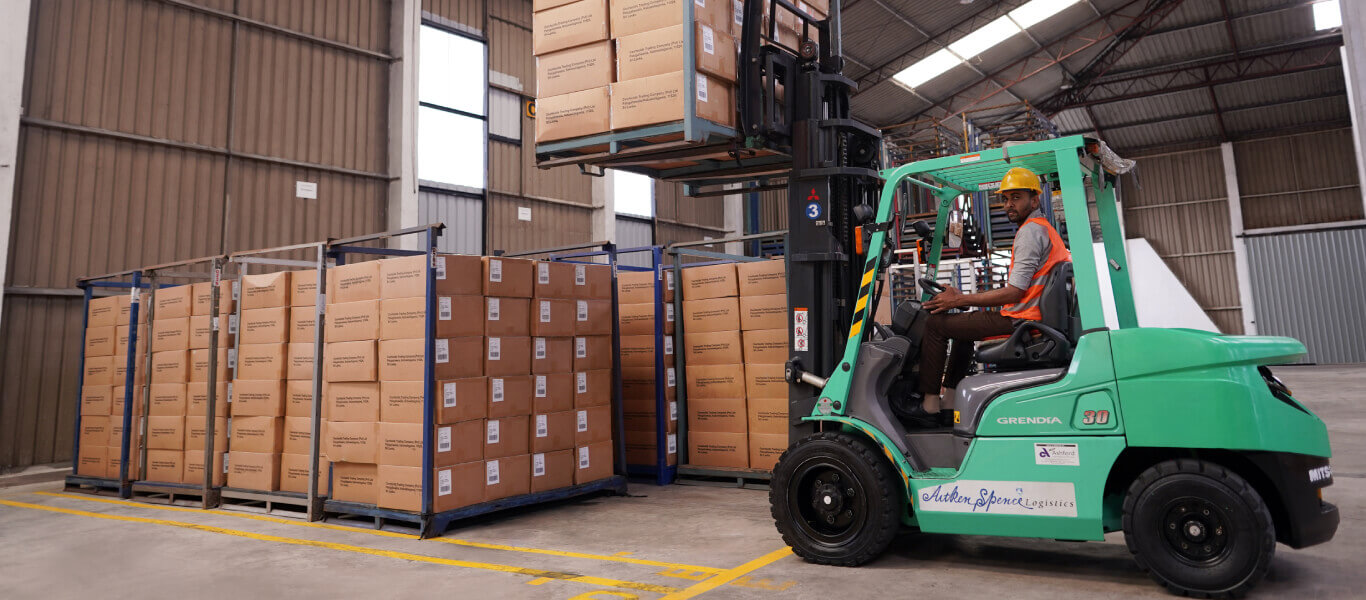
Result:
pixel 1210 113
pixel 1099 65
pixel 1207 141
pixel 1233 17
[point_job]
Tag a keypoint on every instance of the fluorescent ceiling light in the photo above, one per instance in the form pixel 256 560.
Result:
pixel 928 68
pixel 984 38
pixel 1036 11
pixel 1327 15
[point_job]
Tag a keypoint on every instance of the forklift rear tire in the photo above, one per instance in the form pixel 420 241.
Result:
pixel 1198 529
pixel 835 499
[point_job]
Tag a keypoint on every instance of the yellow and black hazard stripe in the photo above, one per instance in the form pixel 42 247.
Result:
pixel 865 289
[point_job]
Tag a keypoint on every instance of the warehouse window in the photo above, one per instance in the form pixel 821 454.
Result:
pixel 452 114
pixel 1327 15
pixel 633 194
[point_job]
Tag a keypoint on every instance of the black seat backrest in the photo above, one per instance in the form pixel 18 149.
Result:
pixel 1058 304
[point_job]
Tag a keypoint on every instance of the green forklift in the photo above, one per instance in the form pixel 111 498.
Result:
pixel 1182 439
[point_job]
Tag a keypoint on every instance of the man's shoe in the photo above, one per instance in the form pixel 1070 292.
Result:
pixel 946 417
pixel 918 417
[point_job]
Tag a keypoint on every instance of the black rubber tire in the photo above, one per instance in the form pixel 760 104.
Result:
pixel 880 503
pixel 1170 486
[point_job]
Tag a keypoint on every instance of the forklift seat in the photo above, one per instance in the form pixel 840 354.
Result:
pixel 1045 343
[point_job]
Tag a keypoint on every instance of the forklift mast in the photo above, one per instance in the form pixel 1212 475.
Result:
pixel 799 98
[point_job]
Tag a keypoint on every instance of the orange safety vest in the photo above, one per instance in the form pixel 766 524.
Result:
pixel 1028 307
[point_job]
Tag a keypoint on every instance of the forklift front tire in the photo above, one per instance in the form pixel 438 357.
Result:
pixel 1198 529
pixel 835 499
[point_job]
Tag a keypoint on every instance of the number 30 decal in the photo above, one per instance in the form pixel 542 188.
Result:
pixel 1095 417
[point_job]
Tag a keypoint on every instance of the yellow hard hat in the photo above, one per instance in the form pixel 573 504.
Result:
pixel 1020 178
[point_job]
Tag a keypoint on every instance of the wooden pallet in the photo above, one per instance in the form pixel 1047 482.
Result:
pixel 750 479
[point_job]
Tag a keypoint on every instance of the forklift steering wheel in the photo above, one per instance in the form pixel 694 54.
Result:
pixel 930 285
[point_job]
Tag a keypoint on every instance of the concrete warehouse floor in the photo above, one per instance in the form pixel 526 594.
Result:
pixel 678 539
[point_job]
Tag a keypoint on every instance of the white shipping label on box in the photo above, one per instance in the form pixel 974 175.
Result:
pixel 543 273
pixel 582 381
pixel 545 311
pixel 537 465
pixel 673 410
pixel 583 457
pixel 236 291
pixel 739 9
pixel 582 312
pixel 229 391
pixel 670 379
pixel 540 348
pixel 495 348
pixel 497 384
pixel 668 344
pixel 492 437
pixel 1038 498
pixel 701 87
pixel 494 306
pixel 232 358
pixel 708 40
pixel 669 280
pixel 443 482
pixel 580 275
pixel 580 347
pixel 541 429
pixel 441 274
pixel 495 270
pixel 673 443
pixel 443 351
pixel 583 421
pixel 669 313
pixel 232 324
pixel 448 395
pixel 443 439
pixel 540 386
pixel 443 310
pixel 491 472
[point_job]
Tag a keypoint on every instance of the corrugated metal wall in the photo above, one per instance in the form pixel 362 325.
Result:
pixel 1309 286
pixel 127 158
pixel 634 233
pixel 463 216
pixel 1298 180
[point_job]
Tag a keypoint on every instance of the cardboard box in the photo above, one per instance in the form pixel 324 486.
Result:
pixel 555 279
pixel 165 465
pixel 167 400
pixel 763 312
pixel 659 99
pixel 716 381
pixel 719 415
pixel 714 314
pixel 639 350
pixel 635 16
pixel 299 398
pixel 121 340
pixel 103 312
pixel 507 356
pixel 124 311
pixel 639 382
pixel 765 449
pixel 99 341
pixel 766 346
pixel 353 321
pixel 593 317
pixel 399 488
pixel 660 51
pixel 767 415
pixel 572 70
pixel 120 372
pixel 594 462
pixel 553 431
pixel 552 470
pixel 298 435
pixel 638 287
pixel 592 425
pixel 459 358
pixel 199 365
pixel 195 434
pixel 506 477
pixel 506 437
pixel 170 334
pixel 354 282
pixel 303 320
pixel 712 348
pixel 762 278
pixel 576 114
pixel 257 434
pixel 352 442
pixel 114 429
pixel 506 317
pixel 166 433
pixel 197 399
pixel 113 465
pixel 201 330
pixel 352 401
pixel 552 392
pixel 119 395
pixel 710 449
pixel 267 290
pixel 639 319
pixel 194 468
pixel 355 482
pixel 400 444
pixel 592 352
pixel 712 281
pixel 641 448
pixel 509 277
pixel 552 355
pixel 259 398
pixel 639 414
pixel 173 302
pixel 462 400
pixel 567 26
pixel 592 282
pixel 510 396
pixel 553 317
pixel 458 486
pixel 401 401
pixel 294 473
pixel 592 388
pixel 459 443
pixel 90 462
pixel 402 318
pixel 765 381
pixel 96 399
pixel 404 360
pixel 458 316
pixel 540 5
pixel 300 361
pixel 303 288
pixel 261 361
pixel 459 275
pixel 352 361
pixel 265 325
pixel 99 370
pixel 403 277
pixel 95 430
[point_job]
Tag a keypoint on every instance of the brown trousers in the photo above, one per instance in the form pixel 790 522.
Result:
pixel 964 329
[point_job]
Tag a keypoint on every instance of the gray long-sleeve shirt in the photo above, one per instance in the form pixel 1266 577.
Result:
pixel 1029 252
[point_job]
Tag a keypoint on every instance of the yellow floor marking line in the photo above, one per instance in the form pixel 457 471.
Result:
pixel 729 575
pixel 458 542
pixel 587 579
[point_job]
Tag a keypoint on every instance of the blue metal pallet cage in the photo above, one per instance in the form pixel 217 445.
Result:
pixel 661 470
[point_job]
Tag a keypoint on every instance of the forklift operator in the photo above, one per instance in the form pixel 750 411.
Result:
pixel 1037 248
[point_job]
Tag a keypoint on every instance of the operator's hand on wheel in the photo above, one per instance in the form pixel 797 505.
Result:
pixel 948 299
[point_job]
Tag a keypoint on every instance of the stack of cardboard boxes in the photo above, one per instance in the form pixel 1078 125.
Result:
pixel 257 403
pixel 197 390
pixel 735 341
pixel 98 410
pixel 592 78
pixel 636 313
